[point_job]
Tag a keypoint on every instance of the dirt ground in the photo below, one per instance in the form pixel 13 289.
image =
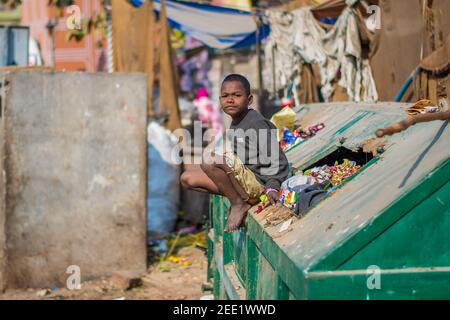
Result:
pixel 178 278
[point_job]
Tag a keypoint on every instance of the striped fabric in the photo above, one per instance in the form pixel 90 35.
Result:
pixel 216 27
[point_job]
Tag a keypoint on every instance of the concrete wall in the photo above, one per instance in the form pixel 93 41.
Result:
pixel 75 170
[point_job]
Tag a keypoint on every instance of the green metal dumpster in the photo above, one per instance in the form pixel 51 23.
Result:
pixel 383 235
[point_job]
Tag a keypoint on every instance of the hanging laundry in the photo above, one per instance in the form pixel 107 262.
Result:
pixel 297 38
pixel 280 58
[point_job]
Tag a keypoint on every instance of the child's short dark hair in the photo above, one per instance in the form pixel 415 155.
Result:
pixel 240 78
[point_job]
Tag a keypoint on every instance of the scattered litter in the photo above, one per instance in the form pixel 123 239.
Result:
pixel 43 293
pixel 121 298
pixel 336 174
pixel 285 225
pixel 124 280
pixel 163 268
pixel 277 214
pixel 264 204
pixel 295 137
pixel 422 107
pixel 188 230
pixel 159 246
pixel 179 260
pixel 186 240
pixel 207 297
pixel 375 146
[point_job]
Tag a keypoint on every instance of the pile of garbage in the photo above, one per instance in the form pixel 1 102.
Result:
pixel 292 138
pixel 335 174
pixel 301 192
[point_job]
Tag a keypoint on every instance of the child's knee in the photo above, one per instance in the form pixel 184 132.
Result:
pixel 206 167
pixel 217 162
pixel 186 179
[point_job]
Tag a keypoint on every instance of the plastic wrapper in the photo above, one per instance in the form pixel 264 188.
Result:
pixel 285 118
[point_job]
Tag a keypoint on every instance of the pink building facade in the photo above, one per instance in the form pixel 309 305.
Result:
pixel 69 55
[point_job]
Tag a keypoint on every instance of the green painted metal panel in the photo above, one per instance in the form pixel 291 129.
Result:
pixel 218 287
pixel 420 239
pixel 233 285
pixel 283 292
pixel 289 272
pixel 228 285
pixel 210 239
pixel 267 281
pixel 252 270
pixel 386 218
pixel 351 123
pixel 408 284
pixel 239 250
pixel 234 244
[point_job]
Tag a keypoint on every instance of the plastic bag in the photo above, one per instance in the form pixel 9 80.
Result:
pixel 288 194
pixel 285 118
pixel 163 182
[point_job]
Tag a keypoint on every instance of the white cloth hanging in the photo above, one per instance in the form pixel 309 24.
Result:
pixel 298 38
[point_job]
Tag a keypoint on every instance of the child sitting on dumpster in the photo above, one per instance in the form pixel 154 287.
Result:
pixel 252 163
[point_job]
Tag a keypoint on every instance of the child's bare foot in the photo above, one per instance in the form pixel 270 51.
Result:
pixel 236 216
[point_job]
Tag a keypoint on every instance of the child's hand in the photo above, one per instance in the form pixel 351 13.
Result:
pixel 273 197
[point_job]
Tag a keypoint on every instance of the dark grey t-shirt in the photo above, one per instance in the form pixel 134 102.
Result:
pixel 254 141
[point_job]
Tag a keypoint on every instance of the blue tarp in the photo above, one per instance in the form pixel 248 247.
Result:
pixel 216 27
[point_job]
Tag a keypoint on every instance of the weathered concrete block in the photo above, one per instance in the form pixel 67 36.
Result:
pixel 75 164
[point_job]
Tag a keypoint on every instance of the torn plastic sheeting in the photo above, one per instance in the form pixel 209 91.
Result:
pixel 162 182
pixel 215 26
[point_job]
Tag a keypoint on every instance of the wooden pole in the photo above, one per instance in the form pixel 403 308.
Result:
pixel 258 55
pixel 133 41
pixel 168 97
pixel 410 121
pixel 150 56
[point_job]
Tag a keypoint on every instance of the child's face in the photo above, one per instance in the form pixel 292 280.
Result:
pixel 233 99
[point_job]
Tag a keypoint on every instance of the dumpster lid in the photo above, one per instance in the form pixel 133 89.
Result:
pixel 343 223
